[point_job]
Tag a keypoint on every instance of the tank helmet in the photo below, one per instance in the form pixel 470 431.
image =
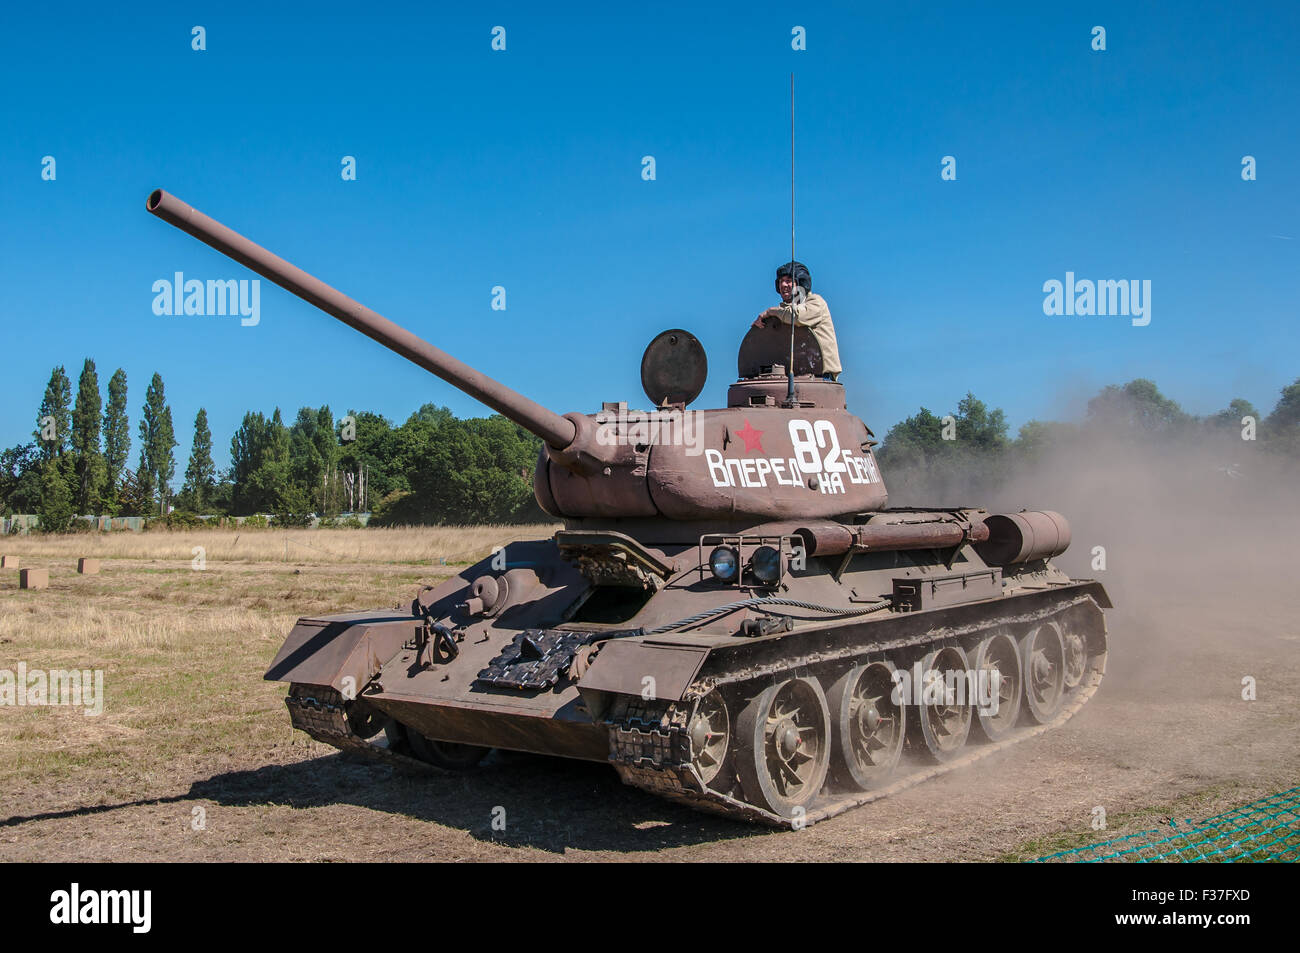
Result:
pixel 800 273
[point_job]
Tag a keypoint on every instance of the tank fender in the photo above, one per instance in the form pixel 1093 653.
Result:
pixel 651 670
pixel 328 651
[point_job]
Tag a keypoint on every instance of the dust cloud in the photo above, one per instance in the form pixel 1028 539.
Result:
pixel 1200 534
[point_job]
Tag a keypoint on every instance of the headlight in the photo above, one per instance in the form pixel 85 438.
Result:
pixel 725 563
pixel 766 563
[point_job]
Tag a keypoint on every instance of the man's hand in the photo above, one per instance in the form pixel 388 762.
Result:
pixel 769 314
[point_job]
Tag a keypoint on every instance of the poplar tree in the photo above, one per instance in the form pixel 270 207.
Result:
pixel 53 419
pixel 157 462
pixel 88 462
pixel 117 437
pixel 200 475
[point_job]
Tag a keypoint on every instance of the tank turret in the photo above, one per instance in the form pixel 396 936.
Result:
pixel 760 458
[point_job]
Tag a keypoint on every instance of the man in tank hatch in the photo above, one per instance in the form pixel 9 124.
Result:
pixel 800 305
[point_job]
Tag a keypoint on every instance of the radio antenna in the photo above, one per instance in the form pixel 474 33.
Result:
pixel 794 299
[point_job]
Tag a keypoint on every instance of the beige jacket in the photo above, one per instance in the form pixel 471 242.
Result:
pixel 815 315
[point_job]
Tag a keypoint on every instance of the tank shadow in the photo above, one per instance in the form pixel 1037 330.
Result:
pixel 512 799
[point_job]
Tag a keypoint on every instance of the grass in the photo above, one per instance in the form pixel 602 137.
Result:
pixel 1192 807
pixel 183 651
pixel 410 545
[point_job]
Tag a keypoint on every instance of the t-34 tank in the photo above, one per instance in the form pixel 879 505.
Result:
pixel 731 615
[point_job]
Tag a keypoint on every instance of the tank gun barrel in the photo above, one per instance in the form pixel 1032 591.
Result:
pixel 557 431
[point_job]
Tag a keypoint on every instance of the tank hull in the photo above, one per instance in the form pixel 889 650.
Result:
pixel 635 701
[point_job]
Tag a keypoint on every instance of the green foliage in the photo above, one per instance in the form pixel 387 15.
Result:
pixel 341 522
pixel 979 427
pixel 200 474
pixel 135 494
pixel 1230 417
pixel 923 441
pixel 89 466
pixel 55 509
pixel 297 519
pixel 1137 410
pixel 1280 431
pixel 117 439
pixel 262 469
pixel 55 404
pixel 157 439
pixel 179 519
pixel 460 471
pixel 20 479
pixel 1038 438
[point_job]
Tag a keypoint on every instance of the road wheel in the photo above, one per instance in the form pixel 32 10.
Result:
pixel 943 711
pixel 783 746
pixel 1042 653
pixel 868 724
pixel 996 662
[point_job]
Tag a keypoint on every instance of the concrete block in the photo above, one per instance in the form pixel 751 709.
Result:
pixel 88 567
pixel 33 579
pixel 9 562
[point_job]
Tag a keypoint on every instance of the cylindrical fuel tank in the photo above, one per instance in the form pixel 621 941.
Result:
pixel 1020 537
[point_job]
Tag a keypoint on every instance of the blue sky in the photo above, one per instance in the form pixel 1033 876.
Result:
pixel 522 169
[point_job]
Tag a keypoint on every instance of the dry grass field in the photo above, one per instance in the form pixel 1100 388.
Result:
pixel 422 545
pixel 190 730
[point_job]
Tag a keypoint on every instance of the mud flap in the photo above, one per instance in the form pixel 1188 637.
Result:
pixel 326 651
pixel 649 670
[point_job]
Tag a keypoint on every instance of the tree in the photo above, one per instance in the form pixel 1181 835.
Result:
pixel 1137 410
pixel 262 471
pixel 157 462
pixel 914 441
pixel 919 440
pixel 55 510
pixel 1040 436
pixel 165 460
pixel 139 498
pixel 1282 428
pixel 200 475
pixel 313 452
pixel 117 438
pixel 979 427
pixel 271 482
pixel 88 462
pixel 460 471
pixel 1230 417
pixel 53 419
pixel 135 496
pixel 20 479
pixel 246 448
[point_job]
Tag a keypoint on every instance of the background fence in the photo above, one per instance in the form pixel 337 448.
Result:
pixel 22 524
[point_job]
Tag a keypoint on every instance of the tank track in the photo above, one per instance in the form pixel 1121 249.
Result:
pixel 650 747
pixel 323 713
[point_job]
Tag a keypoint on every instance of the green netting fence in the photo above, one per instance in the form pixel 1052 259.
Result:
pixel 1263 831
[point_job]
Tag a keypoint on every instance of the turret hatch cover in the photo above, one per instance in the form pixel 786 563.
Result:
pixel 674 368
pixel 765 346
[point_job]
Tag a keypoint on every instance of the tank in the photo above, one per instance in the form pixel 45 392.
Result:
pixel 732 616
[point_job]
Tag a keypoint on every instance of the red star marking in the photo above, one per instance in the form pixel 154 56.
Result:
pixel 753 438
